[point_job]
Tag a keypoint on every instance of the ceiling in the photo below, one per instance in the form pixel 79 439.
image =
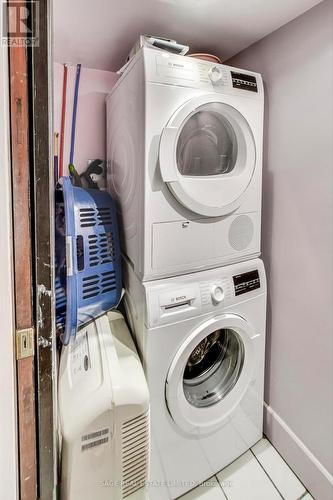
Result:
pixel 100 33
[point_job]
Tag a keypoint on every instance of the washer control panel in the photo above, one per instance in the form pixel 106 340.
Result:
pixel 246 282
pixel 208 292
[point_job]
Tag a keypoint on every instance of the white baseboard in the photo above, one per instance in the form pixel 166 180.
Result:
pixel 306 466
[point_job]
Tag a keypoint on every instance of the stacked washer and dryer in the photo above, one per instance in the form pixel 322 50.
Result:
pixel 185 168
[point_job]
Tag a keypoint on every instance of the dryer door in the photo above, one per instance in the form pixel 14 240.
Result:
pixel 207 156
pixel 210 373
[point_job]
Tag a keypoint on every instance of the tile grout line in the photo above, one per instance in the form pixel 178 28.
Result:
pixel 220 485
pixel 277 451
pixel 266 473
pixel 304 494
pixel 269 477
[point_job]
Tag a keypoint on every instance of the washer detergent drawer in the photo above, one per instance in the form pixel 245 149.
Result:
pixel 181 244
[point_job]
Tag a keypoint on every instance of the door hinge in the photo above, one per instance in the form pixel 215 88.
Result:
pixel 25 343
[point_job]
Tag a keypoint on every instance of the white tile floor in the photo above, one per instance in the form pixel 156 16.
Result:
pixel 259 474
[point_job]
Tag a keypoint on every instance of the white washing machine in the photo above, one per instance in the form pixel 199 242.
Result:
pixel 202 341
pixel 184 146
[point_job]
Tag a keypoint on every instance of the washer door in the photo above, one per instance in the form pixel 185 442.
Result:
pixel 207 156
pixel 210 373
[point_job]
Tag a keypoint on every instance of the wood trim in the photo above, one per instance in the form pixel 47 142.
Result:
pixel 21 184
pixel 18 69
pixel 44 263
pixel 27 428
pixel 8 392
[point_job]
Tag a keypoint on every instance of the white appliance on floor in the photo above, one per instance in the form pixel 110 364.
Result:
pixel 184 149
pixel 202 342
pixel 104 414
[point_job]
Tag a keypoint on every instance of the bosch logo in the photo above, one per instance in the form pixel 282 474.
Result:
pixel 181 297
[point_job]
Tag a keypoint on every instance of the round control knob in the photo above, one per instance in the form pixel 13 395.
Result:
pixel 215 74
pixel 217 294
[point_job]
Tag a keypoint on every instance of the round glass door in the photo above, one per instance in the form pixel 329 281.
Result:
pixel 207 155
pixel 210 373
pixel 213 368
pixel 207 144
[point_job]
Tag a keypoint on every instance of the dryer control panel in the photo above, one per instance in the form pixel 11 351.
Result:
pixel 169 69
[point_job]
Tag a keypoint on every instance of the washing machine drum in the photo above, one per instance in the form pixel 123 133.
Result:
pixel 207 156
pixel 210 374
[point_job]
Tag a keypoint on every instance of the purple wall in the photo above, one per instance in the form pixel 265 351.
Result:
pixel 296 64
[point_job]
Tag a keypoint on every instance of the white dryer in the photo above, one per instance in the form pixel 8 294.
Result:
pixel 202 341
pixel 184 148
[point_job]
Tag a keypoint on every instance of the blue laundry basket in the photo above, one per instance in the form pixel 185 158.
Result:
pixel 88 264
pixel 60 303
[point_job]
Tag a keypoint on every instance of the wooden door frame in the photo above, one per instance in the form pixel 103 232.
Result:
pixel 33 236
pixel 43 227
pixel 9 488
pixel 23 275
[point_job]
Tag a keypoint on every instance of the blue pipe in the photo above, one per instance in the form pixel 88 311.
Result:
pixel 76 93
